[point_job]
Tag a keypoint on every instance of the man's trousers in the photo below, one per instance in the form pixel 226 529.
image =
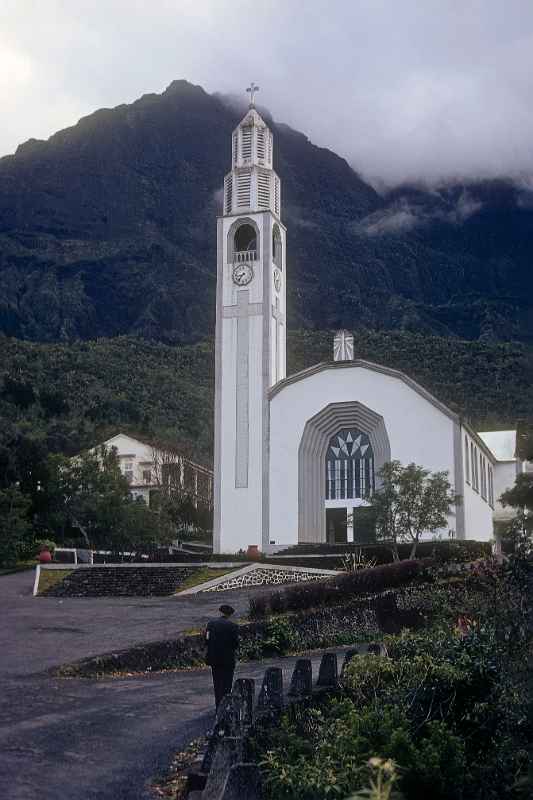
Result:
pixel 222 680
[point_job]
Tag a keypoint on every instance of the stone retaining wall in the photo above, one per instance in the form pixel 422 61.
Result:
pixel 130 581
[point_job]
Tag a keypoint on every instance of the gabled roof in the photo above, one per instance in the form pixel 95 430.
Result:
pixel 361 363
pixel 393 373
pixel 156 444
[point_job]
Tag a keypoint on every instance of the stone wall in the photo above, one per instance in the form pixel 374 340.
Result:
pixel 265 577
pixel 131 581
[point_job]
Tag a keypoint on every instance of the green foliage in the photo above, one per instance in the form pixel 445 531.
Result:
pixel 521 494
pixel 14 525
pixel 326 753
pixel 410 501
pixel 89 494
pixel 450 706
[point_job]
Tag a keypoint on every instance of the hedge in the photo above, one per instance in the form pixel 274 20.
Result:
pixel 315 594
pixel 443 551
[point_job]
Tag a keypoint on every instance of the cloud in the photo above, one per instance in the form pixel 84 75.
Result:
pixel 404 215
pixel 403 90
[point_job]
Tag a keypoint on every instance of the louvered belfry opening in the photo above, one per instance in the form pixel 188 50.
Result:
pixel 244 188
pixel 252 184
pixel 246 142
pixel 263 189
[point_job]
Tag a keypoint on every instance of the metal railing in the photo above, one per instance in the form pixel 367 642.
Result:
pixel 244 256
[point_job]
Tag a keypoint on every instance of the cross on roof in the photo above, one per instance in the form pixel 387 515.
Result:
pixel 252 89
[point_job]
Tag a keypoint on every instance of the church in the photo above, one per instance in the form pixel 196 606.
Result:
pixel 297 458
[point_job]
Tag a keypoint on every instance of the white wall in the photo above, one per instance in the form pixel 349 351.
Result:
pixel 504 478
pixel 239 513
pixel 417 430
pixel 478 512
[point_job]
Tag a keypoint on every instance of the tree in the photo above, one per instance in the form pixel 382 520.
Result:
pixel 15 527
pixel 411 501
pixel 176 499
pixel 520 497
pixel 90 494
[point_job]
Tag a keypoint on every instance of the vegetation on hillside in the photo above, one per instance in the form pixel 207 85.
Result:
pixel 63 398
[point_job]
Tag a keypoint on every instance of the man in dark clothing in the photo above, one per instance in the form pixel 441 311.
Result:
pixel 222 637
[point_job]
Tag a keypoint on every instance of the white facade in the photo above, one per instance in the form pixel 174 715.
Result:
pixel 146 467
pixel 276 480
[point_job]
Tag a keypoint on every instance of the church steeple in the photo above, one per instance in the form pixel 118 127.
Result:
pixel 252 185
pixel 250 334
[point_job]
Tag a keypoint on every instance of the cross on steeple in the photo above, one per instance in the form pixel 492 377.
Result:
pixel 252 89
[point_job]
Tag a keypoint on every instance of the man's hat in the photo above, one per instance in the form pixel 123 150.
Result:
pixel 225 609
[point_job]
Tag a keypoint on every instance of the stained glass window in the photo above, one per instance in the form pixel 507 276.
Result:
pixel 349 466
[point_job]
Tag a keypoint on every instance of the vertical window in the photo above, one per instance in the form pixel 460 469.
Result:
pixel 263 189
pixel 261 144
pixel 467 461
pixel 147 476
pixel 244 186
pixel 349 466
pixel 246 143
pixel 277 250
pixel 128 471
pixel 228 194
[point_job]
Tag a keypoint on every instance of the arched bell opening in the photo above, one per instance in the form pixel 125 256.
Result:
pixel 243 241
pixel 277 247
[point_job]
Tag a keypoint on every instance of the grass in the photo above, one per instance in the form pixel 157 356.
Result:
pixel 202 576
pixel 50 577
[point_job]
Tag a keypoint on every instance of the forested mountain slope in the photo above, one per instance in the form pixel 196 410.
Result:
pixel 108 228
pixel 72 396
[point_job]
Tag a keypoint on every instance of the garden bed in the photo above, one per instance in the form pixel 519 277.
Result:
pixel 446 715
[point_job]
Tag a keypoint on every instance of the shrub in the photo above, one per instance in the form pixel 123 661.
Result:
pixel 326 754
pixel 44 544
pixel 314 594
pixel 443 551
pixel 258 606
pixel 280 637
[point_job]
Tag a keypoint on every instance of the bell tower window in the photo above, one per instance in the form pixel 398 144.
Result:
pixel 245 243
pixel 277 248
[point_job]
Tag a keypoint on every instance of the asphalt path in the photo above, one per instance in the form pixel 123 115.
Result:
pixel 79 739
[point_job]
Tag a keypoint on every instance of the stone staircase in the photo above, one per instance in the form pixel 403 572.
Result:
pixel 134 581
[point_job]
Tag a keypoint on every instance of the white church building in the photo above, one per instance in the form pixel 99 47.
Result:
pixel 297 456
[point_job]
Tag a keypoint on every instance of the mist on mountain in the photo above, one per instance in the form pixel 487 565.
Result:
pixel 108 228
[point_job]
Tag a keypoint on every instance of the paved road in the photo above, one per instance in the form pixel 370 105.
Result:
pixel 86 740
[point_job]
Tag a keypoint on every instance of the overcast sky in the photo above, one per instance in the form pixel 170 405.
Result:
pixel 401 88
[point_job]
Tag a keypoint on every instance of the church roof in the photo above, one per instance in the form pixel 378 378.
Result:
pixel 393 373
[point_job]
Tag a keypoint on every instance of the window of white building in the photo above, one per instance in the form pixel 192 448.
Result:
pixel 349 466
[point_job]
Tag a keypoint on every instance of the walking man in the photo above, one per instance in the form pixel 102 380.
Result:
pixel 222 637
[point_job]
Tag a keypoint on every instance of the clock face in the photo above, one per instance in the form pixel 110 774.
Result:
pixel 242 274
pixel 277 279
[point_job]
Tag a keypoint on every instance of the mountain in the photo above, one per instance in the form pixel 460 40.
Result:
pixel 108 228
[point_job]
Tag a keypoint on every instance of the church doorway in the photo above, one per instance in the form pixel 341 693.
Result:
pixel 337 525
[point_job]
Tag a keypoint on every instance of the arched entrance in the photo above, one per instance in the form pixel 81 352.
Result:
pixel 318 448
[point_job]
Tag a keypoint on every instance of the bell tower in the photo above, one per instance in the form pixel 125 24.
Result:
pixel 250 334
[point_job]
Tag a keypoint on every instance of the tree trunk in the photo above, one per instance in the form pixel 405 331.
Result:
pixel 412 554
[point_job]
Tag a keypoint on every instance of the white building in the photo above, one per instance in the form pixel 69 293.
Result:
pixel 148 467
pixel 295 456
